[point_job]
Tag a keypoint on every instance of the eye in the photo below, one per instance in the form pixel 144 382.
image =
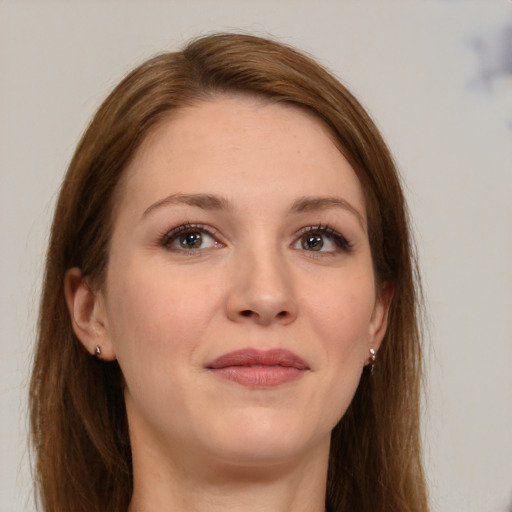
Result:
pixel 190 238
pixel 321 239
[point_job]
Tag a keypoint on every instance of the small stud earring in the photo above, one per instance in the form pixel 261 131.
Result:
pixel 97 352
pixel 373 357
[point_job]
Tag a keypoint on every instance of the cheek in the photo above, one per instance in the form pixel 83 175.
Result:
pixel 156 317
pixel 340 318
pixel 341 313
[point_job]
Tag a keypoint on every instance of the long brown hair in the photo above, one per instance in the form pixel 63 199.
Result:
pixel 78 418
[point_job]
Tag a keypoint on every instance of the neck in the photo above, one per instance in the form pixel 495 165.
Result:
pixel 169 485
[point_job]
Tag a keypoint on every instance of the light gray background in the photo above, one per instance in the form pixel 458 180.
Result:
pixel 437 77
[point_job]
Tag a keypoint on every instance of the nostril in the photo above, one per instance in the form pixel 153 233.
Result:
pixel 246 312
pixel 282 314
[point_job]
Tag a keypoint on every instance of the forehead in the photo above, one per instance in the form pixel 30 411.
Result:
pixel 240 147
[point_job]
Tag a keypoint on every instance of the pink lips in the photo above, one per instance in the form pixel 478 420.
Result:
pixel 259 368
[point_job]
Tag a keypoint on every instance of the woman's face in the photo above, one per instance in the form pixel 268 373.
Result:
pixel 240 299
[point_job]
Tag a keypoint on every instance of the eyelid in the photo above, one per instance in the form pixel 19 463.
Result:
pixel 324 229
pixel 169 235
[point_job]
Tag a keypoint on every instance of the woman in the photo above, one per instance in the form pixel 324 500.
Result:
pixel 229 254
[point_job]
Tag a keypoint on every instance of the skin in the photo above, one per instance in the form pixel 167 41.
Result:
pixel 201 442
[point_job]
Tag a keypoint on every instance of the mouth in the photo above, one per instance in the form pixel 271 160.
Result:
pixel 259 368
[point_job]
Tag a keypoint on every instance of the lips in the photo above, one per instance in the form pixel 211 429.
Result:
pixel 259 368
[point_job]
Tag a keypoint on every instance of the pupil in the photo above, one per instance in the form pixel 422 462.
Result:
pixel 312 242
pixel 191 240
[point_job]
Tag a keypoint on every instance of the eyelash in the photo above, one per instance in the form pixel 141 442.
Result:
pixel 170 236
pixel 321 229
pixel 324 229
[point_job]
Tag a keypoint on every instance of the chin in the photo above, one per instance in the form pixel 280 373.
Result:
pixel 267 441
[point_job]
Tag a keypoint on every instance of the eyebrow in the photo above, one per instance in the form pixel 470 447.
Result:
pixel 203 201
pixel 213 202
pixel 312 203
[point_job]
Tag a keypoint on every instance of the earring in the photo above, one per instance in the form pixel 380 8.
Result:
pixel 97 352
pixel 373 357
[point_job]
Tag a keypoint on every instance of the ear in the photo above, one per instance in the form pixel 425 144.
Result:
pixel 379 320
pixel 88 315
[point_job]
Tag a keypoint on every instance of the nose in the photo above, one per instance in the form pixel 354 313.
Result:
pixel 262 291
